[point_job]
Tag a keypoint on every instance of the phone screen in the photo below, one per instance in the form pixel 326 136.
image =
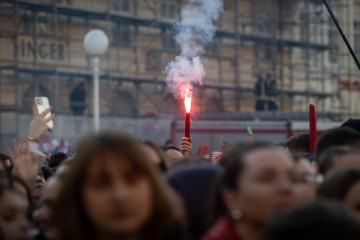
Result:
pixel 42 104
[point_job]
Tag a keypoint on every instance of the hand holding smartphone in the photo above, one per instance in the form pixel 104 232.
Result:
pixel 42 106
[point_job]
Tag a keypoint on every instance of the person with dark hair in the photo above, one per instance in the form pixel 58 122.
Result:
pixel 78 99
pixel 344 187
pixel 261 101
pixel 44 216
pixel 266 92
pixel 194 181
pixel 299 144
pixel 338 157
pixel 272 92
pixel 337 137
pixel 63 168
pixel 112 191
pixel 55 160
pixel 156 156
pixel 168 143
pixel 40 181
pixel 257 182
pixel 14 223
pixel 352 123
pixel 305 176
pixel 313 221
pixel 173 154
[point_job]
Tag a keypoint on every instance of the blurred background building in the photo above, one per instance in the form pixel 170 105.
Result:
pixel 292 43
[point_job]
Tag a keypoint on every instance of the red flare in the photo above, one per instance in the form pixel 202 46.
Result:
pixel 313 129
pixel 187 103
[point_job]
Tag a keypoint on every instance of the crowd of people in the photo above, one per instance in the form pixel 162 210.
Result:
pixel 115 186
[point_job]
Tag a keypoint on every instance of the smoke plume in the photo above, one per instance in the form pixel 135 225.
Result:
pixel 194 32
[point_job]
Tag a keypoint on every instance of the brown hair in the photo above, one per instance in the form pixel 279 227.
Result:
pixel 299 143
pixel 326 160
pixel 233 162
pixel 337 185
pixel 72 218
pixel 164 164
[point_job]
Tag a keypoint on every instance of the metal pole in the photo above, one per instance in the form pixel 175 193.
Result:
pixel 95 64
pixel 342 34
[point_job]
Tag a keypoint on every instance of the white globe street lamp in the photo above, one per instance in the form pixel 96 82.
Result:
pixel 96 43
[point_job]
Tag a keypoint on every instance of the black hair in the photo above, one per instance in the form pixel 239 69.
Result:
pixel 194 182
pixel 4 157
pixel 46 172
pixel 299 143
pixel 56 159
pixel 352 123
pixel 336 137
pixel 190 162
pixel 313 221
pixel 337 185
pixel 171 148
pixel 326 159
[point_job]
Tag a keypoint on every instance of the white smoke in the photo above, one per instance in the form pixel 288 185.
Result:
pixel 194 32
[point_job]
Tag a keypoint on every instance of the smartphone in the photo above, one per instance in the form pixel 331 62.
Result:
pixel 42 104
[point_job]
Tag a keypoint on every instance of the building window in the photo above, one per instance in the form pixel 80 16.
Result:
pixel 121 5
pixel 333 42
pixel 304 33
pixel 168 40
pixel 168 10
pixel 39 24
pixel 264 52
pixel 121 34
pixel 153 60
pixel 213 47
pixel 357 37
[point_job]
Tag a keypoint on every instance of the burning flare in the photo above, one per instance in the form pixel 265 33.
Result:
pixel 187 100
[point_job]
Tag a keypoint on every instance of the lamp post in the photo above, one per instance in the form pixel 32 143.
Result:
pixel 96 43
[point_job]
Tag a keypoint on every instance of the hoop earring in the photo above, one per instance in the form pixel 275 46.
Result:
pixel 236 214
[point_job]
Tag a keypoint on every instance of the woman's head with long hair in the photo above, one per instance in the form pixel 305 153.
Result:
pixel 112 189
pixel 257 182
pixel 156 155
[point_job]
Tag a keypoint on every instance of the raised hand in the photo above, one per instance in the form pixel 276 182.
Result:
pixel 26 164
pixel 185 146
pixel 38 125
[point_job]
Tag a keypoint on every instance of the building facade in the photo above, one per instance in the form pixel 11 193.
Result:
pixel 41 53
